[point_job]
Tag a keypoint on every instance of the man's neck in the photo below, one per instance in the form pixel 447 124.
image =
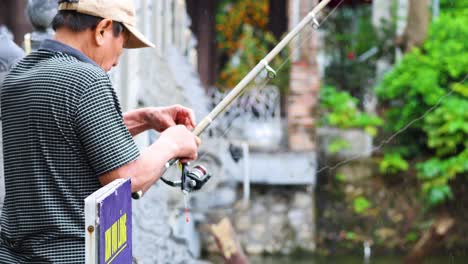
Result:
pixel 79 41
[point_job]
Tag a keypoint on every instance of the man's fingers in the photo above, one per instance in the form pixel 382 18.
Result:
pixel 170 123
pixel 189 118
pixel 188 159
pixel 192 120
pixel 185 116
pixel 189 123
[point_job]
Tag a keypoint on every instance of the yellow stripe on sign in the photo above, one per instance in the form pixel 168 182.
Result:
pixel 115 239
pixel 116 254
pixel 108 244
pixel 122 230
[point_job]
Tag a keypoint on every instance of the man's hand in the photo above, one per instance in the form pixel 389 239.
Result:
pixel 182 143
pixel 161 118
pixel 175 142
pixel 158 118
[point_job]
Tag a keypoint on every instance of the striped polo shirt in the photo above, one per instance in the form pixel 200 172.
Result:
pixel 62 129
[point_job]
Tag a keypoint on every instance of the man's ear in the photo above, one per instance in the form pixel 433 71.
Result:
pixel 104 27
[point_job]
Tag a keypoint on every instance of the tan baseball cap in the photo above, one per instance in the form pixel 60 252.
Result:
pixel 122 11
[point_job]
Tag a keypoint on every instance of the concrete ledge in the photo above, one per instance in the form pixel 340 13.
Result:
pixel 359 142
pixel 282 168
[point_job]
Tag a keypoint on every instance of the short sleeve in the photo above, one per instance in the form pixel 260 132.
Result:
pixel 99 126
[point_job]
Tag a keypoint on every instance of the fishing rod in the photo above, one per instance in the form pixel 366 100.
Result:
pixel 194 179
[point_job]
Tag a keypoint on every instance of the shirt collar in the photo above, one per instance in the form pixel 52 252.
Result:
pixel 54 46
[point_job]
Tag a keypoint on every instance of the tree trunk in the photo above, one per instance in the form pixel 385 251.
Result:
pixel 203 14
pixel 227 243
pixel 430 239
pixel 417 25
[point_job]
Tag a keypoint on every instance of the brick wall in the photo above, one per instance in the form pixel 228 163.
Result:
pixel 305 81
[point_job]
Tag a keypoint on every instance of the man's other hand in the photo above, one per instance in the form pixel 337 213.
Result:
pixel 161 118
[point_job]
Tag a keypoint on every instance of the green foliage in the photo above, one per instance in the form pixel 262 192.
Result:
pixel 428 89
pixel 349 33
pixel 411 236
pixel 393 163
pixel 243 40
pixel 340 177
pixel 350 235
pixel 337 145
pixel 233 15
pixel 447 126
pixel 339 109
pixel 453 5
pixel 361 204
pixel 439 193
pixel 437 172
pixel 253 47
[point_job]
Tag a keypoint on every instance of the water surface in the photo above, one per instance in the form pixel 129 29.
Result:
pixel 344 260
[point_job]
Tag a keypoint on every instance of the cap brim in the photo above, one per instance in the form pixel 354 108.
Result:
pixel 136 39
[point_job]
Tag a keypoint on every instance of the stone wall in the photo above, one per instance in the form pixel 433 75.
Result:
pixel 393 219
pixel 279 220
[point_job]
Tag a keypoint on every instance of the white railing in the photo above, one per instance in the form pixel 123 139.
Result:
pixel 254 118
pixel 167 24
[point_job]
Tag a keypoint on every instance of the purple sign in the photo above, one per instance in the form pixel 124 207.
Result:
pixel 115 229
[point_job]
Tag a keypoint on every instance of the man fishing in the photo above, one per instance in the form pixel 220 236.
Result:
pixel 64 134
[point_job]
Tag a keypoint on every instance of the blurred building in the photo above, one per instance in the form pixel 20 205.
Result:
pixel 13 16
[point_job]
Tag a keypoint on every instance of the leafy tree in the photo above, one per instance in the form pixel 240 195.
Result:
pixel 429 90
pixel 349 35
pixel 243 40
pixel 339 109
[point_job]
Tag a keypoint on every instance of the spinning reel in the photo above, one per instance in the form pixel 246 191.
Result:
pixel 191 180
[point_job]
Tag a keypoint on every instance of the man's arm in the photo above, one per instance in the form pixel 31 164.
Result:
pixel 109 147
pixel 174 142
pixel 136 121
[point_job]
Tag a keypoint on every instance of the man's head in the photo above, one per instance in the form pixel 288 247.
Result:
pixel 99 28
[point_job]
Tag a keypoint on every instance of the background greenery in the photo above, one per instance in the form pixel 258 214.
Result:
pixel 431 78
pixel 423 108
pixel 243 40
pixel 349 35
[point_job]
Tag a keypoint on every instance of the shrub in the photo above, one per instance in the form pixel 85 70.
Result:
pixel 428 89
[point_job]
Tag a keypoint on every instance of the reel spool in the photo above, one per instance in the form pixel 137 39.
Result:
pixel 191 180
